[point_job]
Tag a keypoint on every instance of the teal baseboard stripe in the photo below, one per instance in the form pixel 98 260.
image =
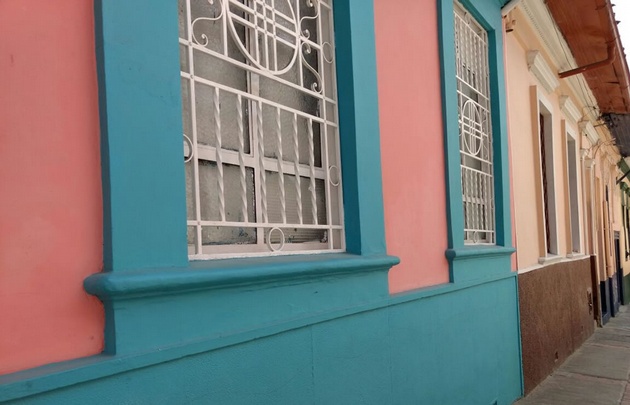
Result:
pixel 428 292
pixel 62 375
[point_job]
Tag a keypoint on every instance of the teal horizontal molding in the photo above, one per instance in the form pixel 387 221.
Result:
pixel 472 262
pixel 203 275
pixel 433 291
pixel 478 252
pixel 21 385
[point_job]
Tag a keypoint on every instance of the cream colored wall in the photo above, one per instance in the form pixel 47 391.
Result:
pixel 525 185
pixel 605 156
pixel 570 131
pixel 524 90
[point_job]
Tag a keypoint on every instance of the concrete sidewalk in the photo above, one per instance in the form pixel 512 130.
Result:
pixel 597 373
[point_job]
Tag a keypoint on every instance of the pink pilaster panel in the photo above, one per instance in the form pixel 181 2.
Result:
pixel 50 198
pixel 412 143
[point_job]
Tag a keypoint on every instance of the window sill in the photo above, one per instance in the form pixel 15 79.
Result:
pixel 209 300
pixel 576 256
pixel 212 274
pixel 549 259
pixel 476 263
pixel 473 252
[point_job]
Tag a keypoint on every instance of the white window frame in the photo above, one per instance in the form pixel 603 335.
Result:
pixel 545 108
pixel 573 187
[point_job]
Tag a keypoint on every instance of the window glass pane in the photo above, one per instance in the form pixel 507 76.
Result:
pixel 291 201
pixel 221 235
pixel 233 202
pixel 308 148
pixel 317 237
pixel 190 190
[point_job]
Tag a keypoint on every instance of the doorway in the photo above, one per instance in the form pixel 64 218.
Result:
pixel 616 281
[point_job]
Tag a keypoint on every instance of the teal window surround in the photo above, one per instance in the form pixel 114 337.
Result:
pixel 145 247
pixel 475 261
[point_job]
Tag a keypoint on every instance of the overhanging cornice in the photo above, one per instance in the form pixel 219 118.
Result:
pixel 557 49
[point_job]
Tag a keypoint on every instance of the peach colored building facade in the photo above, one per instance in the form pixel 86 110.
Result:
pixel 527 98
pixel 564 190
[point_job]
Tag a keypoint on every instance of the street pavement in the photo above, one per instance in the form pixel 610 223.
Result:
pixel 596 374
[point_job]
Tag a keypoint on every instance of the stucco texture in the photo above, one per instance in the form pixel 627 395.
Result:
pixel 412 145
pixel 555 316
pixel 50 203
pixel 525 93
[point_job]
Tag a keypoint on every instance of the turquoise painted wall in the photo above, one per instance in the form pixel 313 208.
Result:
pixel 443 346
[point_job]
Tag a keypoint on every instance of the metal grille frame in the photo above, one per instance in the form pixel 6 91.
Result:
pixel 475 128
pixel 263 33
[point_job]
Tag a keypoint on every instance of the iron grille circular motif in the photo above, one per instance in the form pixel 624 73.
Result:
pixel 275 34
pixel 472 128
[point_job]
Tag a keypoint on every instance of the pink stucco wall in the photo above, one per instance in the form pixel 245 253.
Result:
pixel 50 198
pixel 412 144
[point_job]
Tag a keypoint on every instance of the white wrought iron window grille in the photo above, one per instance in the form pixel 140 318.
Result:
pixel 261 141
pixel 475 128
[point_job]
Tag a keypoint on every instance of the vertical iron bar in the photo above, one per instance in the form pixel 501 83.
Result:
pixel 241 157
pixel 218 146
pixel 296 165
pixel 279 158
pixel 311 162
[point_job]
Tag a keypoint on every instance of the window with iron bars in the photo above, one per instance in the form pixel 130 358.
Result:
pixel 475 128
pixel 261 146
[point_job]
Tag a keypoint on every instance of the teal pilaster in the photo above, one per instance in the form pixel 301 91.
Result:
pixel 359 126
pixel 500 129
pixel 141 131
pixel 454 201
